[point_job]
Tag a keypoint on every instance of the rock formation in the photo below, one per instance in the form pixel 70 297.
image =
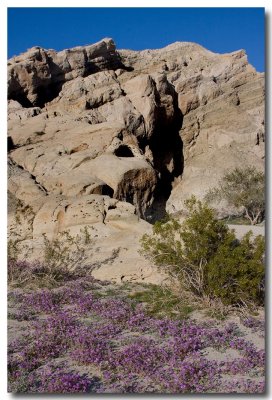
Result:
pixel 105 139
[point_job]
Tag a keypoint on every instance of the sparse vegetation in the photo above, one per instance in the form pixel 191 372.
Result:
pixel 243 189
pixel 161 301
pixel 13 249
pixel 81 335
pixel 63 259
pixel 66 250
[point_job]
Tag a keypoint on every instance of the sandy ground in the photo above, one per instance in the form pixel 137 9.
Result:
pixel 241 230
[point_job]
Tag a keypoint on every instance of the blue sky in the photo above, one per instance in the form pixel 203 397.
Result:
pixel 218 29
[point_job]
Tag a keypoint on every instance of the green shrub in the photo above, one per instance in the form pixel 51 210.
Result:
pixel 207 258
pixel 236 272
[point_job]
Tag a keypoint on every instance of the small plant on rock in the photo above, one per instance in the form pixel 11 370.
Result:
pixel 243 189
pixel 63 259
pixel 67 250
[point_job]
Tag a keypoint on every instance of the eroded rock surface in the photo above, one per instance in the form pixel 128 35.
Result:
pixel 105 138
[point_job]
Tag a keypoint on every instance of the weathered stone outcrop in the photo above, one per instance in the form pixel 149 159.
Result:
pixel 101 138
pixel 36 76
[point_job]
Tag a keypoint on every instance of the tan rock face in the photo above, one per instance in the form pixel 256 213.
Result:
pixel 99 137
pixel 36 76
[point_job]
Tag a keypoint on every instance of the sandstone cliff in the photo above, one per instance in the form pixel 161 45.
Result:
pixel 105 138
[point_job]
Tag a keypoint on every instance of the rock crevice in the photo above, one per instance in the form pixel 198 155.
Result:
pixel 122 136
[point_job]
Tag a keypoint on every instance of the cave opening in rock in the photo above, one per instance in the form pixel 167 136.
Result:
pixel 21 97
pixel 44 94
pixel 167 151
pixel 11 145
pixel 123 151
pixel 107 191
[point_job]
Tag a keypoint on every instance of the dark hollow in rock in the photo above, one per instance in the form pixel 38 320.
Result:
pixel 123 151
pixel 11 145
pixel 107 191
pixel 167 148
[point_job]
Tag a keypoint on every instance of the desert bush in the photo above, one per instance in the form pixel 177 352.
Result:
pixel 37 274
pixel 13 249
pixel 62 259
pixel 66 250
pixel 243 189
pixel 236 272
pixel 206 257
